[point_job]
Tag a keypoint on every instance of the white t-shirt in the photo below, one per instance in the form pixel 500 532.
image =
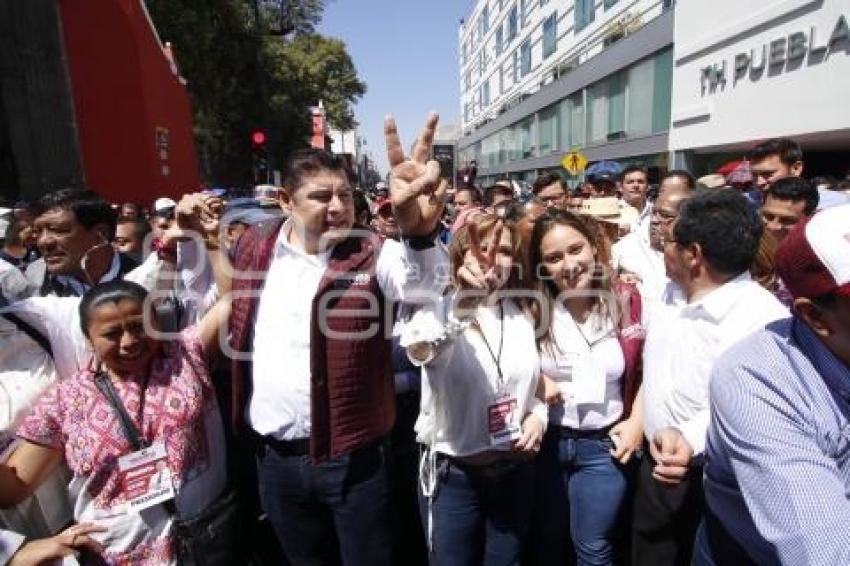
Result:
pixel 587 363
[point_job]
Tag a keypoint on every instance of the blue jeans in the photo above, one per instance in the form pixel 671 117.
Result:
pixel 580 490
pixel 327 512
pixel 481 514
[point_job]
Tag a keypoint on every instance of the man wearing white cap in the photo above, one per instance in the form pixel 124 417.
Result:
pixel 778 451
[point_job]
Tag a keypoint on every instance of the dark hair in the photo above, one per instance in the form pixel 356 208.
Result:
pixel 89 208
pixel 795 189
pixel 788 150
pixel 308 162
pixel 545 180
pixel 111 292
pixel 473 191
pixel 142 226
pixel 690 180
pixel 361 205
pixel 493 190
pixel 633 169
pixel 727 229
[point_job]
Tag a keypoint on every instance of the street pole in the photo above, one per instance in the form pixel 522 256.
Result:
pixel 262 85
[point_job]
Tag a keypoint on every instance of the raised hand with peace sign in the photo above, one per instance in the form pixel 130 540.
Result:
pixel 484 257
pixel 416 190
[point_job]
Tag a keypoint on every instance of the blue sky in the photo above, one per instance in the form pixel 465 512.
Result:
pixel 406 52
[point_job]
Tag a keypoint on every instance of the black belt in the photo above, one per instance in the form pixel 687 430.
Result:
pixel 297 447
pixel 566 432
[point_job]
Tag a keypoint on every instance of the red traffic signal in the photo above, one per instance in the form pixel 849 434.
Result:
pixel 258 137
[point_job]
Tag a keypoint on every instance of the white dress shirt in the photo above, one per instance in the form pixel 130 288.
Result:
pixel 682 344
pixel 462 380
pixel 634 254
pixel 280 401
pixel 587 363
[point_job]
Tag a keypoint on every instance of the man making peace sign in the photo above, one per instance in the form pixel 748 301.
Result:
pixel 312 371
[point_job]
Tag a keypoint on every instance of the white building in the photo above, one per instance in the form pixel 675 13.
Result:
pixel 542 77
pixel 779 68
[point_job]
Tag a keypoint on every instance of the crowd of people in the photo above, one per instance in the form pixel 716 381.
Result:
pixel 617 374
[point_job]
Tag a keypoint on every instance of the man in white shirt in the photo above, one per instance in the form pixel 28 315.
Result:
pixel 313 375
pixel 634 186
pixel 641 253
pixel 715 239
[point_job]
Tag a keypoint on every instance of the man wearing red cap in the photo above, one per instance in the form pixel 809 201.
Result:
pixel 778 452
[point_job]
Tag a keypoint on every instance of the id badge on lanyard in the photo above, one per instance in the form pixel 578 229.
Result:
pixel 146 477
pixel 502 420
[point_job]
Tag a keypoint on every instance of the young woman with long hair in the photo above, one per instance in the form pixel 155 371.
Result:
pixel 590 362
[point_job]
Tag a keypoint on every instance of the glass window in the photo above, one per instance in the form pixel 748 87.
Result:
pixel 663 91
pixel 550 35
pixel 485 93
pixel 584 12
pixel 512 23
pixel 572 122
pixel 525 57
pixel 499 40
pixel 525 11
pixel 617 106
pixel 515 65
pixel 641 77
pixel 485 18
pixel 597 112
pixel 527 136
pixel 547 124
pixel 609 3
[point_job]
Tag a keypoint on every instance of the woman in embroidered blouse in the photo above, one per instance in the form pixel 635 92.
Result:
pixel 590 364
pixel 165 389
pixel 479 418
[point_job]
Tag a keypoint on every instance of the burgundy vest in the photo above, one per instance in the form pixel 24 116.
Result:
pixel 631 336
pixel 352 398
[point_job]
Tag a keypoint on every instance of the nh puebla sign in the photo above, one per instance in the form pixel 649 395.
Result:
pixel 781 54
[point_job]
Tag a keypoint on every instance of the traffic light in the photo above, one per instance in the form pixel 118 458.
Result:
pixel 259 153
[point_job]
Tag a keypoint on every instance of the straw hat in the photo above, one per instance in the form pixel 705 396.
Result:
pixel 609 209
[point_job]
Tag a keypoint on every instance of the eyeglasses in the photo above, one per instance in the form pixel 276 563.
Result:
pixel 664 216
pixel 551 199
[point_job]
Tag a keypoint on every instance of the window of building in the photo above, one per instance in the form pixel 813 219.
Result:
pixel 513 27
pixel 543 2
pixel 527 136
pixel 572 122
pixel 467 80
pixel 525 57
pixel 584 13
pixel 499 40
pixel 515 66
pixel 547 127
pixel 606 118
pixel 485 93
pixel 662 91
pixel 609 3
pixel 485 19
pixel 550 35
pixel 525 12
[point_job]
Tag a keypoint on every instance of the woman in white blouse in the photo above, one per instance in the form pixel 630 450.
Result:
pixel 590 376
pixel 480 420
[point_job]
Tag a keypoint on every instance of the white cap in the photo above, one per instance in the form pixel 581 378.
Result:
pixel 828 233
pixel 163 203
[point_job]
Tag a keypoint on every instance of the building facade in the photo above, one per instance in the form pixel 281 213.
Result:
pixel 780 68
pixel 540 78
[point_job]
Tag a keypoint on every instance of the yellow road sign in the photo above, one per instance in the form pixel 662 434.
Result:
pixel 574 162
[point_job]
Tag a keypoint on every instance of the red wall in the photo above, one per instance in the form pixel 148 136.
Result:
pixel 124 90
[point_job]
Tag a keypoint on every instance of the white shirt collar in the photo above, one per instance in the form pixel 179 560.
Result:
pixel 717 303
